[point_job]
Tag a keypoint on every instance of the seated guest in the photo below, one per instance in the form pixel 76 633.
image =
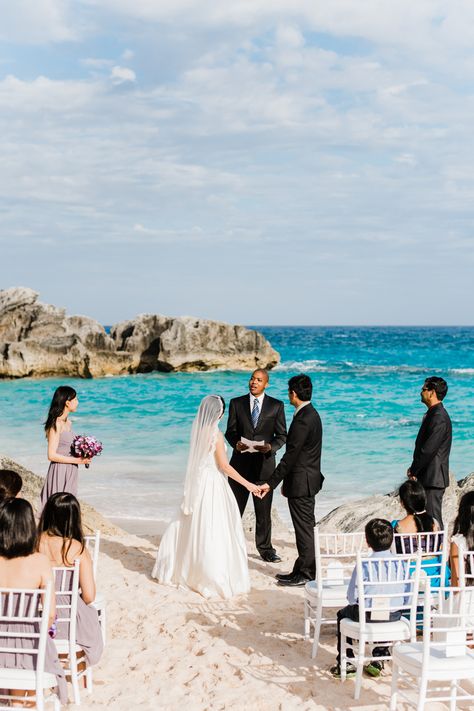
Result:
pixel 463 533
pixel 379 537
pixel 413 499
pixel 61 539
pixel 417 520
pixel 10 484
pixel 21 566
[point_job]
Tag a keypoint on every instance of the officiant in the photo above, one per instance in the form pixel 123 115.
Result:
pixel 256 417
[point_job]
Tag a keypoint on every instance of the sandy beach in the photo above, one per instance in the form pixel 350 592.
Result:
pixel 171 649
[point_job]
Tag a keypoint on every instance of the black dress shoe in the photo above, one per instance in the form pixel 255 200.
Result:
pixel 270 557
pixel 295 581
pixel 284 576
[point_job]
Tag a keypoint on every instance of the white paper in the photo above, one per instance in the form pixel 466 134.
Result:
pixel 251 444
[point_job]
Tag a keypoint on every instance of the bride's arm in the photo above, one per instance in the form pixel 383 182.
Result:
pixel 223 465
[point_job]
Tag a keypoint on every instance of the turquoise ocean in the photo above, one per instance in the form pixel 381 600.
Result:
pixel 366 381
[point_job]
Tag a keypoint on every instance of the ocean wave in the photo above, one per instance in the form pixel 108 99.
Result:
pixel 346 366
pixel 461 371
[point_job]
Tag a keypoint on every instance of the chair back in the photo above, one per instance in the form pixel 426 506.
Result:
pixel 445 622
pixel 29 609
pixel 93 545
pixel 335 555
pixel 67 594
pixel 388 586
pixel 433 546
pixel 466 581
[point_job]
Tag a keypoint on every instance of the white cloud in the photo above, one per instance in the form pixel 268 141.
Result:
pixel 37 22
pixel 121 75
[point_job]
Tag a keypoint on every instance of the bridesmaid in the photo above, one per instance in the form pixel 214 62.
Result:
pixel 63 469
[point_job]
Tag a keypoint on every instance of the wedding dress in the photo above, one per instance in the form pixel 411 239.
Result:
pixel 204 548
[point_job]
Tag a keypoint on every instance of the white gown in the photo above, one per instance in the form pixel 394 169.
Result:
pixel 205 550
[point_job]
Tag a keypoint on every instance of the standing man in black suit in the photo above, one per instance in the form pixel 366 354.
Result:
pixel 257 417
pixel 431 456
pixel 300 470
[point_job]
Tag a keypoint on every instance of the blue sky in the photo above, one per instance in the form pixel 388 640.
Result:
pixel 254 162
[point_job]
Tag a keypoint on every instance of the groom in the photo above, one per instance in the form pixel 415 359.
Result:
pixel 300 470
pixel 256 416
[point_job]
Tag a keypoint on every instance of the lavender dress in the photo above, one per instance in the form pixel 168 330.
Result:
pixel 61 477
pixel 22 660
pixel 88 632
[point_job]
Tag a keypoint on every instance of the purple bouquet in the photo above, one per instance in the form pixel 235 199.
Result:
pixel 86 447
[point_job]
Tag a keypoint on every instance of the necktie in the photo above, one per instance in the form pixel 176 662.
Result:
pixel 255 413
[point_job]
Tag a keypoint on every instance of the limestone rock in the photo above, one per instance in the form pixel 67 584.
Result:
pixel 176 344
pixel 32 485
pixel 353 515
pixel 38 339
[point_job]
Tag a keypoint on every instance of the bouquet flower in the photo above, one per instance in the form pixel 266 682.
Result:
pixel 87 447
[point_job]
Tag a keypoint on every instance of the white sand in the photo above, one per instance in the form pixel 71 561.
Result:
pixel 171 649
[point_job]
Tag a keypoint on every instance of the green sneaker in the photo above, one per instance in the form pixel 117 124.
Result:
pixel 374 668
pixel 350 671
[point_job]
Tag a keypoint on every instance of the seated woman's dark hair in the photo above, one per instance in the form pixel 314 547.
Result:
pixel 10 484
pixel 413 498
pixel 379 534
pixel 17 529
pixel 464 522
pixel 61 517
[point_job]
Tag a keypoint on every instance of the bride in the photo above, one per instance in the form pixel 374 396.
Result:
pixel 204 548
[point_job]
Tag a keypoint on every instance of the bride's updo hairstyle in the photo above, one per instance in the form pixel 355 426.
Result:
pixel 61 396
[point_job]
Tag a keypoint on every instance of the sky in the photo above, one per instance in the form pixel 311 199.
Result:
pixel 283 162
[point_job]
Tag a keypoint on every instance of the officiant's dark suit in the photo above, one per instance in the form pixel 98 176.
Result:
pixel 432 447
pixel 300 471
pixel 256 467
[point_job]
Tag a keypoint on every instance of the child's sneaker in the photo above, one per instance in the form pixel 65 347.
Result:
pixel 374 668
pixel 350 671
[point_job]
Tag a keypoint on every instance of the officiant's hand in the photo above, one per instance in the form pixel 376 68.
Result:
pixel 264 489
pixel 263 448
pixel 241 447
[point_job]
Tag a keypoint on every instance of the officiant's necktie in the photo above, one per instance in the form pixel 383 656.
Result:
pixel 255 413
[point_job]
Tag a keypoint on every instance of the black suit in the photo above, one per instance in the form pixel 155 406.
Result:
pixel 431 458
pixel 256 467
pixel 300 470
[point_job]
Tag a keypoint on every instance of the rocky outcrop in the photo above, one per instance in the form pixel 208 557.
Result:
pixel 162 343
pixel 31 489
pixel 38 339
pixel 353 515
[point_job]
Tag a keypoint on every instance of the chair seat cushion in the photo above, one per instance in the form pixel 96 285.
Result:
pixel 62 646
pixel 24 679
pixel 331 594
pixel 99 601
pixel 409 657
pixel 380 631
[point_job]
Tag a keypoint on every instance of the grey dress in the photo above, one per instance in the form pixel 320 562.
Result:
pixel 23 660
pixel 61 477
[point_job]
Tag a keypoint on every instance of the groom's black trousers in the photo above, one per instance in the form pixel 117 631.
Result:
pixel 263 513
pixel 302 516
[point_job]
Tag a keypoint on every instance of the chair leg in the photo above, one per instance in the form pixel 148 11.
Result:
pixel 88 678
pixel 343 656
pixel 103 624
pixel 317 630
pixel 307 619
pixel 74 678
pixel 360 668
pixel 39 699
pixel 422 694
pixel 394 691
pixel 453 695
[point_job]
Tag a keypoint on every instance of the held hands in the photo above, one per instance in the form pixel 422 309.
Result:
pixel 259 491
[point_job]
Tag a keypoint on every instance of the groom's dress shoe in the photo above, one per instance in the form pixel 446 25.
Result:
pixel 295 581
pixel 270 557
pixel 284 576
